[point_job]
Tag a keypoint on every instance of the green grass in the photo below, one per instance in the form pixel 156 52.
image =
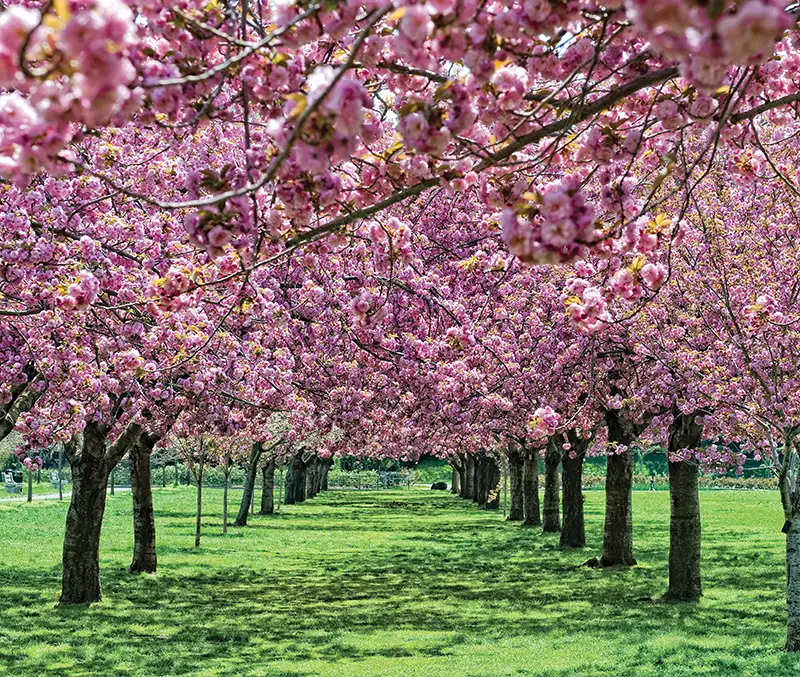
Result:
pixel 399 583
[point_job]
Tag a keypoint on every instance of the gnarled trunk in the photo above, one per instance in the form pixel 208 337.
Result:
pixel 144 523
pixel 310 476
pixel 530 489
pixel 573 530
pixel 268 488
pixel 551 518
pixel 326 469
pixel 249 484
pixel 81 560
pixel 516 512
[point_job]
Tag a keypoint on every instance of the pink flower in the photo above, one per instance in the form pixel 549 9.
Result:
pixel 511 82
pixel 749 36
pixel 653 275
pixel 416 24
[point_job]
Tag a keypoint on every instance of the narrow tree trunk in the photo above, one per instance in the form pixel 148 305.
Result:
pixel 299 479
pixel 530 489
pixel 175 466
pixel 81 577
pixel 112 482
pixel 249 484
pixel 289 491
pixel 164 476
pixel 144 524
pixel 462 477
pixel 199 504
pixel 225 504
pixel 310 472
pixel 268 489
pixel 618 530
pixel 551 519
pixel 573 532
pixel 515 466
pixel 60 471
pixel 455 481
pixel 684 532
pixel 30 486
pixel 793 585
pixel 492 501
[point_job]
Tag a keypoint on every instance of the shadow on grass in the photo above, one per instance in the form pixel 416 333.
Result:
pixel 420 579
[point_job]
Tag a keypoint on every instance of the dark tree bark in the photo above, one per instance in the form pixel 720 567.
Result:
pixel 325 471
pixel 530 489
pixel 684 517
pixel 268 488
pixel 469 483
pixel 144 523
pixel 462 476
pixel 618 529
pixel 288 489
pixel 310 476
pixel 91 461
pixel 199 516
pixel 573 531
pixel 551 518
pixel 481 481
pixel 516 512
pixel 492 500
pixel 249 484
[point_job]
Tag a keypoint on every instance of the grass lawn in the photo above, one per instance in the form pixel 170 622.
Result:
pixel 400 583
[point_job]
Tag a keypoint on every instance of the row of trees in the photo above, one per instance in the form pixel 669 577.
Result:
pixel 330 228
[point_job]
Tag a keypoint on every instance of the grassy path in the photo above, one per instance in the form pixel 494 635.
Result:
pixel 394 584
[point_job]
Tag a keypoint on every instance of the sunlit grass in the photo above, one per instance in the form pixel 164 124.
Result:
pixel 400 583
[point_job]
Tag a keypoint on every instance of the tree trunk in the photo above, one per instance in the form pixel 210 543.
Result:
pixel 469 484
pixel 573 532
pixel 299 479
pixel 462 477
pixel 793 585
pixel 684 532
pixel 268 489
pixel 225 503
pixel 684 517
pixel 249 484
pixel 455 481
pixel 30 486
pixel 81 577
pixel 492 501
pixel 144 524
pixel 530 489
pixel 311 471
pixel 551 519
pixel 199 504
pixel 618 530
pixel 326 470
pixel 515 465
pixel 289 491
pixel 60 474
pixel 480 481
